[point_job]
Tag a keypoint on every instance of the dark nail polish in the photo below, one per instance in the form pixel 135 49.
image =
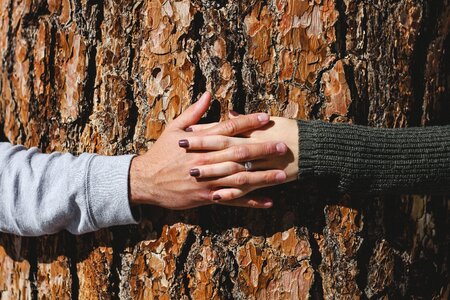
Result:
pixel 194 172
pixel 234 113
pixel 183 143
pixel 216 197
pixel 189 129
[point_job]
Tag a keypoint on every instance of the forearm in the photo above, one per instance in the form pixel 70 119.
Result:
pixel 365 160
pixel 46 193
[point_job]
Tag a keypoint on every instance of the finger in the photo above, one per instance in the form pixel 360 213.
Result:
pixel 253 180
pixel 248 201
pixel 243 153
pixel 224 169
pixel 199 127
pixel 211 142
pixel 231 114
pixel 194 113
pixel 238 125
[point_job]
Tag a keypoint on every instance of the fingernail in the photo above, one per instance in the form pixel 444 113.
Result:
pixel 184 143
pixel 281 148
pixel 280 177
pixel 233 113
pixel 263 117
pixel 194 172
pixel 189 129
pixel 216 197
pixel 268 203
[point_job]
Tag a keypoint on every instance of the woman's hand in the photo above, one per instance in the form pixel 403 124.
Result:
pixel 280 129
pixel 170 174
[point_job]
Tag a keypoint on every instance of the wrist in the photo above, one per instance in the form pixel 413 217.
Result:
pixel 137 181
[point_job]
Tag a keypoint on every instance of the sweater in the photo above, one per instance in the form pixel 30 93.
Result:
pixel 373 161
pixel 46 193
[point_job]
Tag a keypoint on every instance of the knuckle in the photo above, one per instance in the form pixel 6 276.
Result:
pixel 205 142
pixel 269 178
pixel 231 127
pixel 225 143
pixel 241 179
pixel 200 143
pixel 235 168
pixel 241 153
pixel 233 195
pixel 269 148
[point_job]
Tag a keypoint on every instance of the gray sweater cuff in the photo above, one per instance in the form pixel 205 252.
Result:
pixel 107 191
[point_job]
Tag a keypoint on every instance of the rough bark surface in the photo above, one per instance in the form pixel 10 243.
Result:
pixel 107 76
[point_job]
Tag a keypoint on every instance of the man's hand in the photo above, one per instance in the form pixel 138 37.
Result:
pixel 171 175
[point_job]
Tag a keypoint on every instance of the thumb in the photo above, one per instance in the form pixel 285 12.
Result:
pixel 194 112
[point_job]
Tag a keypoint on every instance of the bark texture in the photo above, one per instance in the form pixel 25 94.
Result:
pixel 107 76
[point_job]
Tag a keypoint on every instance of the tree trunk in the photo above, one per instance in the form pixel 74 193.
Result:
pixel 107 76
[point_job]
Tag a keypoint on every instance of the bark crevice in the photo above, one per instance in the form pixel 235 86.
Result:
pixel 315 110
pixel 53 103
pixel 359 107
pixel 72 254
pixel 33 259
pixel 239 99
pixel 341 29
pixel 9 59
pixel 315 259
pixel 87 104
pixel 427 33
pixel 132 119
pixel 199 85
pixel 2 133
pixel 182 282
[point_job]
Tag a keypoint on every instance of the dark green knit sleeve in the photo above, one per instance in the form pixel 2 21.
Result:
pixel 373 161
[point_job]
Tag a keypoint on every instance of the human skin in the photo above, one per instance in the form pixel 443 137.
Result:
pixel 163 175
pixel 284 129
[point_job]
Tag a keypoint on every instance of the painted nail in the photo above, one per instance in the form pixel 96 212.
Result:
pixel 189 129
pixel 183 143
pixel 216 197
pixel 194 172
pixel 280 177
pixel 263 117
pixel 234 113
pixel 281 148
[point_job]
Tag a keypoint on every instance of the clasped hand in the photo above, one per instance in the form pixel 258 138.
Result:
pixel 192 165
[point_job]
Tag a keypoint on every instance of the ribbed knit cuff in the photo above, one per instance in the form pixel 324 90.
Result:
pixel 367 160
pixel 307 149
pixel 108 192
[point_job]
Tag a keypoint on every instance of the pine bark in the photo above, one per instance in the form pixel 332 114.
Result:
pixel 107 76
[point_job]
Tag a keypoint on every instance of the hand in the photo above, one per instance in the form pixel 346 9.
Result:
pixel 286 131
pixel 166 175
pixel 281 129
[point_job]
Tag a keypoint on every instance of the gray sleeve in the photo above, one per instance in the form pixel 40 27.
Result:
pixel 46 193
